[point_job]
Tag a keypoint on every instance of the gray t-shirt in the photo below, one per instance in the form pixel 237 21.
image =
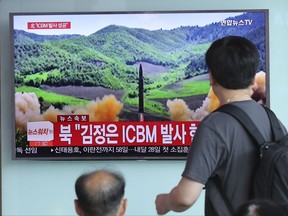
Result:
pixel 222 148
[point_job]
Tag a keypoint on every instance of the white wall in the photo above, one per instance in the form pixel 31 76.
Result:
pixel 47 187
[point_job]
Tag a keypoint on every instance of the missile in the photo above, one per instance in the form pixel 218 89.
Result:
pixel 141 94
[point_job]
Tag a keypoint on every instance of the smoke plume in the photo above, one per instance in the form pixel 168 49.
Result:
pixel 28 110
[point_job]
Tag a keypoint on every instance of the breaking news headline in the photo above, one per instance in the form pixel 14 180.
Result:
pixel 111 134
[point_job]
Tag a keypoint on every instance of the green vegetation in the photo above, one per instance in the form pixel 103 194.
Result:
pixel 188 89
pixel 108 58
pixel 51 97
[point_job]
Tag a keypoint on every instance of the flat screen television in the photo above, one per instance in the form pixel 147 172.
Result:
pixel 119 85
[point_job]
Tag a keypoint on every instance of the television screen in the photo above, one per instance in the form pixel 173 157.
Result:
pixel 119 85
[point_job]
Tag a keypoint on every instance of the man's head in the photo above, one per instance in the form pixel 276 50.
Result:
pixel 233 62
pixel 100 193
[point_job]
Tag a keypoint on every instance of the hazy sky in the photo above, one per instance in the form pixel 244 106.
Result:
pixel 88 23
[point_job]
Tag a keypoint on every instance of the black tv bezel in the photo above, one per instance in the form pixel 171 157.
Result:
pixel 113 157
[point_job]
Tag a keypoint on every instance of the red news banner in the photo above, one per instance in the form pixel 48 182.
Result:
pixel 76 130
pixel 48 25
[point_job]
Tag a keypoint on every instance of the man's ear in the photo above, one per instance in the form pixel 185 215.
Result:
pixel 253 81
pixel 254 84
pixel 123 206
pixel 77 208
pixel 211 78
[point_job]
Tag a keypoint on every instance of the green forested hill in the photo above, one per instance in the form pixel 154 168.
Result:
pixel 106 57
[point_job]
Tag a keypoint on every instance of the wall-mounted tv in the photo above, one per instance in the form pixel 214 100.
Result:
pixel 119 85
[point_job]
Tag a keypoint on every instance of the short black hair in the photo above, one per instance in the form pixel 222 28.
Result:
pixel 103 199
pixel 233 61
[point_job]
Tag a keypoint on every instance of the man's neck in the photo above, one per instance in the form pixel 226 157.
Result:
pixel 229 96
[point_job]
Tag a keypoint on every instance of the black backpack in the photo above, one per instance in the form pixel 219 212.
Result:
pixel 271 176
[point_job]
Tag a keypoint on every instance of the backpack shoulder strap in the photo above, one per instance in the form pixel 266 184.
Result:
pixel 244 119
pixel 277 131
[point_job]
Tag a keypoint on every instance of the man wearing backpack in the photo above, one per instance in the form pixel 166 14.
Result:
pixel 223 156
